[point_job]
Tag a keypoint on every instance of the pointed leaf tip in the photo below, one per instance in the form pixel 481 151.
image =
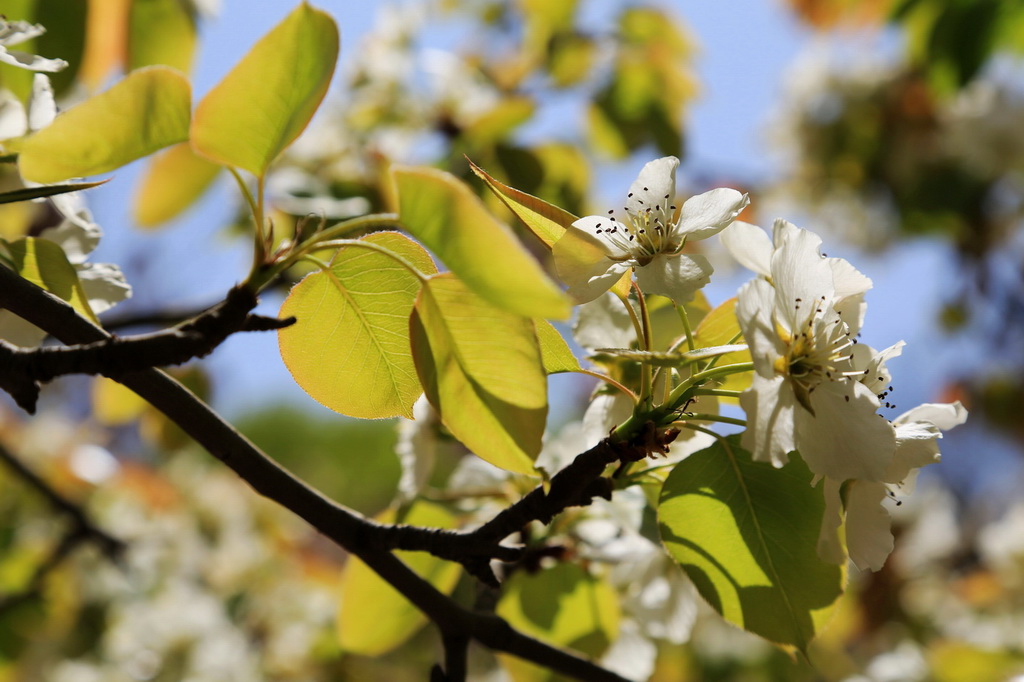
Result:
pixel 443 213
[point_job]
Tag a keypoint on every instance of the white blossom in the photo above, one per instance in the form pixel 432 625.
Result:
pixel 596 251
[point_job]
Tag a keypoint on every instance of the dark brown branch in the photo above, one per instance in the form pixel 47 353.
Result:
pixel 576 485
pixel 342 525
pixel 23 370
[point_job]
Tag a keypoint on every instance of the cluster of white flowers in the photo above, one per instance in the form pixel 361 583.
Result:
pixel 815 390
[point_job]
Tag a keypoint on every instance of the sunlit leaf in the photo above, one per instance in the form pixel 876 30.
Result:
pixel 173 180
pixel 718 328
pixel 546 221
pixel 44 263
pixel 350 347
pixel 500 121
pixel 161 32
pixel 106 40
pixel 263 104
pixel 481 369
pixel 114 404
pixel 563 605
pixel 452 222
pixel 554 351
pixel 146 111
pixel 746 533
pixel 374 617
pixel 953 661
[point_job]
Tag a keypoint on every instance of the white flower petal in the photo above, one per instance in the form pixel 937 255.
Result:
pixel 943 415
pixel 749 245
pixel 42 108
pixel 754 306
pixel 711 212
pixel 917 434
pixel 605 412
pixel 631 655
pixel 845 437
pixel 31 62
pixel 77 237
pixel 830 546
pixel 657 179
pixel 416 448
pixel 104 285
pixel 676 277
pixel 16 32
pixel 868 525
pixel 582 262
pixel 604 323
pixel 13 121
pixel 800 275
pixel 770 406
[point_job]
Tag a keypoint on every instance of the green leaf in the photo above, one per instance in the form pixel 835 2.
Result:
pixel 161 32
pixel 29 193
pixel 173 180
pixel 481 369
pixel 350 349
pixel 563 605
pixel 451 221
pixel 718 328
pixel 146 111
pixel 546 221
pixel 374 617
pixel 45 264
pixel 265 102
pixel 554 351
pixel 746 534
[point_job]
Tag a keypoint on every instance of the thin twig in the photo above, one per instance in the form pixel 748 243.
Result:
pixel 23 370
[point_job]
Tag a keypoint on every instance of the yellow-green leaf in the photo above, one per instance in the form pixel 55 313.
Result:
pixel 263 104
pixel 481 369
pixel 546 221
pixel 172 181
pixel 554 351
pixel 746 533
pixel 146 111
pixel 451 221
pixel 350 348
pixel 161 32
pixel 563 605
pixel 115 404
pixel 718 328
pixel 44 263
pixel 373 617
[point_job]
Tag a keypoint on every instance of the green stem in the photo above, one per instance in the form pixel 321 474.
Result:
pixel 734 339
pixel 637 327
pixel 701 377
pixel 362 244
pixel 701 417
pixel 685 319
pixel 256 209
pixel 720 392
pixel 646 371
pixel 363 222
pixel 611 382
pixel 262 278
